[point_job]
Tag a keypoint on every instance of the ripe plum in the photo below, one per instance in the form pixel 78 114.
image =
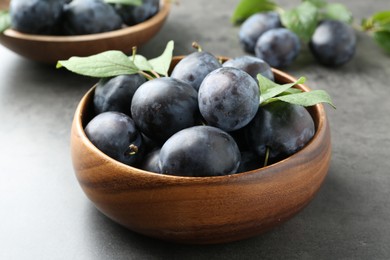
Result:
pixel 114 133
pixel 228 98
pixel 195 67
pixel 278 47
pixel 200 151
pixel 163 106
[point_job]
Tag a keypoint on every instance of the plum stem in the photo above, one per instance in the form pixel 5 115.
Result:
pixel 134 52
pixel 133 149
pixel 146 75
pixel 197 46
pixel 266 156
pixel 155 74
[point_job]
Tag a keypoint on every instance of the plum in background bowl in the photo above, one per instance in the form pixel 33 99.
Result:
pixel 49 48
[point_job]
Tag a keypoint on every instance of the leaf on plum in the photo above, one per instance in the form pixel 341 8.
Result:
pixel 102 65
pixel 125 2
pixel 307 98
pixel 270 89
pixel 337 11
pixel 246 8
pixel 162 63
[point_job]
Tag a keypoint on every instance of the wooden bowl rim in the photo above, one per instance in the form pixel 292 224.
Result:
pixel 319 118
pixel 165 7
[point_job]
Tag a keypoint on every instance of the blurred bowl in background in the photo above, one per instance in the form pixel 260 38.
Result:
pixel 49 49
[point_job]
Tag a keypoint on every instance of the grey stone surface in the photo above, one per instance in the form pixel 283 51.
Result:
pixel 45 215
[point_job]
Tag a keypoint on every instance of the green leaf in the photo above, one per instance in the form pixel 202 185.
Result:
pixel 302 20
pixel 382 21
pixel 382 17
pixel 270 89
pixel 105 64
pixel 125 2
pixel 338 12
pixel 162 63
pixel 141 62
pixel 246 8
pixel 317 3
pixel 307 98
pixel 379 21
pixel 382 38
pixel 5 21
pixel 291 91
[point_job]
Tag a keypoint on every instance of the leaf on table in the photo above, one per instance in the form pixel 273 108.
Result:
pixel 382 38
pixel 302 20
pixel 102 65
pixel 246 8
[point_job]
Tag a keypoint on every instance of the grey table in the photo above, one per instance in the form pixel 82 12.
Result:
pixel 45 215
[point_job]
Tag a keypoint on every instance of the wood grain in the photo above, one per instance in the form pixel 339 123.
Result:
pixel 50 49
pixel 201 210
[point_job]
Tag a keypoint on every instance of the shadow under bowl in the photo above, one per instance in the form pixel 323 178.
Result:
pixel 49 49
pixel 201 210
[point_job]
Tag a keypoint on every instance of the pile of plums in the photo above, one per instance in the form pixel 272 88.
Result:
pixel 76 17
pixel 332 44
pixel 203 120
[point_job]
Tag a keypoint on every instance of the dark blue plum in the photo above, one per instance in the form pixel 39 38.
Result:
pixel 195 67
pixel 90 16
pixel 36 16
pixel 200 151
pixel 115 134
pixel 251 65
pixel 228 98
pixel 115 94
pixel 132 15
pixel 151 162
pixel 282 127
pixel 253 27
pixel 164 106
pixel 333 43
pixel 278 47
pixel 250 161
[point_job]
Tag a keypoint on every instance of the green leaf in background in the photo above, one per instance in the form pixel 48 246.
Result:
pixel 338 12
pixel 270 89
pixel 379 27
pixel 102 65
pixel 246 8
pixel 5 21
pixel 382 17
pixel 302 20
pixel 125 2
pixel 162 63
pixel 382 38
pixel 317 3
pixel 307 98
pixel 377 22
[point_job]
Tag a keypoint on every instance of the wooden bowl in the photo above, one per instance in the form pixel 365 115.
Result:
pixel 201 210
pixel 49 49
